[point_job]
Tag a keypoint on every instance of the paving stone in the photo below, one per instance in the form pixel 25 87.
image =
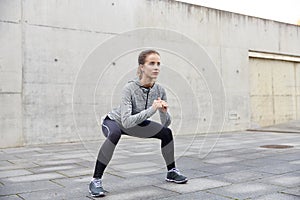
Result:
pixel 89 159
pixel 187 153
pixel 194 185
pixel 14 173
pixel 5 163
pixel 246 190
pixel 222 160
pixel 122 174
pixel 71 155
pixel 53 168
pixel 17 188
pixel 60 193
pixel 196 195
pixel 115 184
pixel 33 177
pixel 218 154
pixel 152 159
pixel 40 157
pixel 11 197
pixel 18 166
pixel 58 162
pixel 240 176
pixel 244 150
pixel 5 157
pixel 31 156
pixel 58 148
pixel 285 180
pixel 251 156
pixel 292 191
pixel 278 196
pixel 192 173
pixel 287 156
pixel 135 166
pixel 190 163
pixel 117 157
pixel 277 169
pixel 221 169
pixel 262 162
pixel 148 192
pixel 23 162
pixel 295 162
pixel 88 164
pixel 79 171
pixel 18 150
pixel 68 182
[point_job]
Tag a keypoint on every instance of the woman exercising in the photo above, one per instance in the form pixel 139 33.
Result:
pixel 141 98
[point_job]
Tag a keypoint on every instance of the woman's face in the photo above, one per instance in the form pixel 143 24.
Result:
pixel 151 68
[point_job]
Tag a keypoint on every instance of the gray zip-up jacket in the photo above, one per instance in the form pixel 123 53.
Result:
pixel 136 105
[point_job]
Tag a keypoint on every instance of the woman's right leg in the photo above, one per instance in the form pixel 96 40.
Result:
pixel 113 133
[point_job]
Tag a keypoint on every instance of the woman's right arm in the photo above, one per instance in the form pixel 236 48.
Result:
pixel 128 120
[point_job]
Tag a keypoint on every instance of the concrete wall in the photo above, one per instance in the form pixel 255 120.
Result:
pixel 44 45
pixel 11 61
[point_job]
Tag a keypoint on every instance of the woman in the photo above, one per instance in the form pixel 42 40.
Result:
pixel 141 98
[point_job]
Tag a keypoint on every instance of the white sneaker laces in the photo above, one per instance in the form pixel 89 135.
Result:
pixel 176 170
pixel 97 182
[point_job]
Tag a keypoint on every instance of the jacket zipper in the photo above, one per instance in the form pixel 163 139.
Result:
pixel 147 99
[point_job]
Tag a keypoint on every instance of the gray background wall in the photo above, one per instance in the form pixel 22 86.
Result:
pixel 44 44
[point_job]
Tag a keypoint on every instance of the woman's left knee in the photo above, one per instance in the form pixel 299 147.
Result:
pixel 168 133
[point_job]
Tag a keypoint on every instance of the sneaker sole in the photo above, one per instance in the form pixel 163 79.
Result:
pixel 174 181
pixel 97 195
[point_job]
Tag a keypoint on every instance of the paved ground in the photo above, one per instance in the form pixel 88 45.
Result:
pixel 235 168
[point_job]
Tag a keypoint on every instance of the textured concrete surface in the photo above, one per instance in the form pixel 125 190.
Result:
pixel 236 168
pixel 44 45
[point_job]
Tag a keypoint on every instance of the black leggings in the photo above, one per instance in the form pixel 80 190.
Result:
pixel 147 129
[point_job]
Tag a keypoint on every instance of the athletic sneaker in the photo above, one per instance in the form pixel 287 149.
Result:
pixel 174 175
pixel 95 188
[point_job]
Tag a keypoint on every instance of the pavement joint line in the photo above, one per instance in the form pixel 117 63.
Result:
pixel 53 181
pixel 110 173
pixel 20 196
pixel 38 165
pixel 30 170
pixel 272 173
pixel 11 162
pixel 67 176
pixel 90 197
pixel 222 186
pixel 157 186
pixel 282 192
pixel 210 192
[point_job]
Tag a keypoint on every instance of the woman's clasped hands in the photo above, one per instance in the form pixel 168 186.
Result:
pixel 160 105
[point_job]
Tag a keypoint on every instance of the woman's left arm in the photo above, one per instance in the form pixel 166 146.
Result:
pixel 165 117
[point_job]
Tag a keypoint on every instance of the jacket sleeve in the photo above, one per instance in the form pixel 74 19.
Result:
pixel 165 118
pixel 127 119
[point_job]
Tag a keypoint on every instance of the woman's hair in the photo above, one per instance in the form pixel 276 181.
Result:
pixel 142 58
